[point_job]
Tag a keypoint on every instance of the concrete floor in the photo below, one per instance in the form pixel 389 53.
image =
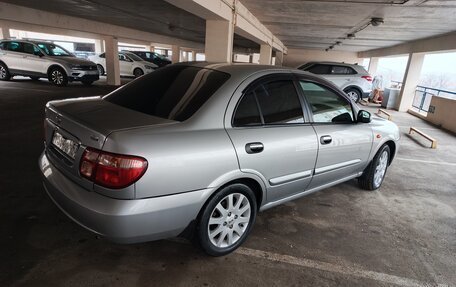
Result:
pixel 404 234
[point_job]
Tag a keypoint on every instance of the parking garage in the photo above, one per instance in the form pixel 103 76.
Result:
pixel 402 234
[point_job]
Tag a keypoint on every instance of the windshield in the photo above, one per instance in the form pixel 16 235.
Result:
pixel 133 57
pixel 172 92
pixel 53 49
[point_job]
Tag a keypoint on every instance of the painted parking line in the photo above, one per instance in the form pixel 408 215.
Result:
pixel 328 267
pixel 426 161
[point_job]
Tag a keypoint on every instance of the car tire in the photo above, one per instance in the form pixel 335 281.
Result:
pixel 353 94
pixel 100 69
pixel 87 83
pixel 138 72
pixel 374 174
pixel 58 77
pixel 227 219
pixel 4 73
pixel 34 78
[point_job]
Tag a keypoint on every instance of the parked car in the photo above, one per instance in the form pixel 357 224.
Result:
pixel 352 79
pixel 153 57
pixel 202 148
pixel 37 59
pixel 130 64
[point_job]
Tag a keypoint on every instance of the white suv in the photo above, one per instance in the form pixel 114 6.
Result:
pixel 36 60
pixel 130 64
pixel 352 79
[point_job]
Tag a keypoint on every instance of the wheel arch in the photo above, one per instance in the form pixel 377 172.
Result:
pixel 354 87
pixel 53 66
pixel 392 145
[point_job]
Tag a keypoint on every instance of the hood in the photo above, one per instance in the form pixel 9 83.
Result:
pixel 72 60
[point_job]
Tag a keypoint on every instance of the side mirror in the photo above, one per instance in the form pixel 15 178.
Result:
pixel 363 117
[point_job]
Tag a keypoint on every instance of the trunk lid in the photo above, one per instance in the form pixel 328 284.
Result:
pixel 87 122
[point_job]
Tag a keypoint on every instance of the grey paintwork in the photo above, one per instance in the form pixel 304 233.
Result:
pixel 189 161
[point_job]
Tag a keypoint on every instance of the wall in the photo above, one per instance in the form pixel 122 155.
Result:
pixel 297 57
pixel 444 114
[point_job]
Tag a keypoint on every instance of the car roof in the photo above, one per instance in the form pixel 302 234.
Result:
pixel 330 63
pixel 240 69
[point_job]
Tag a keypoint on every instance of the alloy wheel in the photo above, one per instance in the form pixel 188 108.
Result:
pixel 2 72
pixel 353 95
pixel 229 220
pixel 57 77
pixel 380 169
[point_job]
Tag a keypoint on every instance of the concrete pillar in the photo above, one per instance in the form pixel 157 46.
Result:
pixel 265 54
pixel 99 46
pixel 410 81
pixel 4 33
pixel 279 58
pixel 151 48
pixel 112 61
pixel 219 41
pixel 175 57
pixel 192 56
pixel 373 65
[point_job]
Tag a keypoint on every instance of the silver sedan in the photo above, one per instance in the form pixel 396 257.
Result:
pixel 198 149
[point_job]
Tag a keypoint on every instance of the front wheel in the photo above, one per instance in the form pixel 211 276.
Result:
pixel 58 77
pixel 374 174
pixel 353 94
pixel 138 72
pixel 4 73
pixel 100 69
pixel 227 219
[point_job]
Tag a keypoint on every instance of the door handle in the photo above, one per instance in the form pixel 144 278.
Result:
pixel 325 139
pixel 254 147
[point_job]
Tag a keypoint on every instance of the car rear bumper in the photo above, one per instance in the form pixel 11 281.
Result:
pixel 122 221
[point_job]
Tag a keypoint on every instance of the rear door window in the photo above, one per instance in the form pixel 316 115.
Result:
pixel 319 69
pixel 174 92
pixel 270 103
pixel 342 70
pixel 14 46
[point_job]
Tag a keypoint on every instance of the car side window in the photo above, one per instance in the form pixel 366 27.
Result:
pixel 29 48
pixel 326 105
pixel 247 112
pixel 14 46
pixel 102 55
pixel 271 103
pixel 342 70
pixel 319 69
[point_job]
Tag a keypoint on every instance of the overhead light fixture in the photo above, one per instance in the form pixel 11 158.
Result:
pixel 351 36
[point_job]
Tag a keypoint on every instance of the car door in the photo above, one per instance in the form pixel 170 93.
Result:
pixel 343 144
pixel 33 60
pixel 340 75
pixel 13 56
pixel 271 137
pixel 126 65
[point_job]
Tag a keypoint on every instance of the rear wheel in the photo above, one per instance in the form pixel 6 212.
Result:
pixel 353 94
pixel 138 72
pixel 374 174
pixel 58 77
pixel 227 219
pixel 101 70
pixel 4 72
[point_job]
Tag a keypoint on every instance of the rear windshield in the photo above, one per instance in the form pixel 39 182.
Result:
pixel 173 92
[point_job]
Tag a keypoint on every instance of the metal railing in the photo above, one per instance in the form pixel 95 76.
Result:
pixel 423 96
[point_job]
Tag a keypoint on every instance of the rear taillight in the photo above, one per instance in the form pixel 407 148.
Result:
pixel 111 170
pixel 368 78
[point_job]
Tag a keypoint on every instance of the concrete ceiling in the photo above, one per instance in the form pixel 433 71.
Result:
pixel 312 24
pixel 317 24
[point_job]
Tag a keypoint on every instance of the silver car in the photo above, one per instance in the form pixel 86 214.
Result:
pixel 199 149
pixel 351 78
